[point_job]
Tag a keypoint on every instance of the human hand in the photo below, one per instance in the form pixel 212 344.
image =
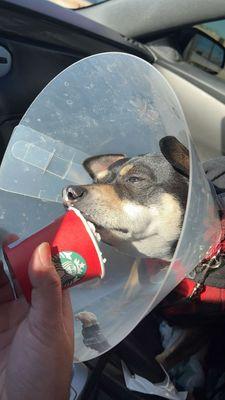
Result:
pixel 36 341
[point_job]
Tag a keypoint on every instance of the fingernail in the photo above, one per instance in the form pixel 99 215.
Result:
pixel 45 253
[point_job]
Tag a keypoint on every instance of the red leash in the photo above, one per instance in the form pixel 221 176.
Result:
pixel 194 296
pixel 214 259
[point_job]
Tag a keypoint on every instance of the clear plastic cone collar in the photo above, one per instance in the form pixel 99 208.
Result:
pixel 152 204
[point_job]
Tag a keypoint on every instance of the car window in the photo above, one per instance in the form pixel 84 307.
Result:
pixel 75 4
pixel 206 48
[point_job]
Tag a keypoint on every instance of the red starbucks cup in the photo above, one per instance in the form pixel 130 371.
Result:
pixel 74 248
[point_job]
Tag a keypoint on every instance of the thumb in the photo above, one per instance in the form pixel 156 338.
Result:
pixel 46 297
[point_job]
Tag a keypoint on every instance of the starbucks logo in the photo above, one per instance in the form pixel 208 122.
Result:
pixel 70 266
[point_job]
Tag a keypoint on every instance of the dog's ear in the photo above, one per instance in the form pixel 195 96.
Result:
pixel 176 153
pixel 98 166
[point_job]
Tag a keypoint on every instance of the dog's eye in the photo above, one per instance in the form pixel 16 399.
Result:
pixel 134 179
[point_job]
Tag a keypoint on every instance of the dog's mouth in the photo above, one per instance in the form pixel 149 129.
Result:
pixel 107 233
pixel 99 229
pixel 96 227
pixel 94 230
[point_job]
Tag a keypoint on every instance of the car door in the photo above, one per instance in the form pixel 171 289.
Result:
pixel 166 27
pixel 192 60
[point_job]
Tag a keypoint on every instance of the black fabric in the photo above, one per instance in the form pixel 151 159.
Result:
pixel 215 362
pixel 140 348
pixel 196 311
pixel 215 172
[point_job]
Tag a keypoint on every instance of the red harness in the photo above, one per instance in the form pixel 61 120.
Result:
pixel 195 297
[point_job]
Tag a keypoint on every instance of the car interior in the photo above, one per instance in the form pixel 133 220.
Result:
pixel 39 39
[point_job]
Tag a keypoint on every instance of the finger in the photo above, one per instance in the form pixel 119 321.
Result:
pixel 46 298
pixel 12 313
pixel 68 312
pixel 6 339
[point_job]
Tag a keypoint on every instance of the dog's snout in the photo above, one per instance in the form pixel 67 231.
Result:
pixel 73 193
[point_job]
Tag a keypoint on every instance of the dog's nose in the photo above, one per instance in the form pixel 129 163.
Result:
pixel 73 193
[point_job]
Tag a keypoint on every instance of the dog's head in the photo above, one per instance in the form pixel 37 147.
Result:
pixel 137 204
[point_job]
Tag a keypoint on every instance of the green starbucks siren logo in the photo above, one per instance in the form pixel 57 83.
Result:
pixel 70 266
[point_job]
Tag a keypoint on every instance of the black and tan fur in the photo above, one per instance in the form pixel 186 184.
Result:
pixel 137 204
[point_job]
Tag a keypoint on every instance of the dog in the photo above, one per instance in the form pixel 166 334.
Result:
pixel 137 205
